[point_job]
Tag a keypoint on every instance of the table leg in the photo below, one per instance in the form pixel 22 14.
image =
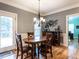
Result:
pixel 35 50
pixel 46 52
pixel 32 51
pixel 38 50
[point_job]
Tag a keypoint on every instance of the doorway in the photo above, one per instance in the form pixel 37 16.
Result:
pixel 7 30
pixel 72 32
pixel 72 29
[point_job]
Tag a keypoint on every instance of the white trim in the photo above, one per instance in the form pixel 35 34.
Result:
pixel 77 14
pixel 18 6
pixel 10 13
pixel 67 30
pixel 67 18
pixel 63 9
pixel 14 16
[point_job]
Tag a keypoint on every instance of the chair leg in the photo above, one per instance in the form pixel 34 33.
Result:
pixel 46 53
pixel 21 55
pixel 32 51
pixel 38 51
pixel 46 56
pixel 32 54
pixel 51 51
pixel 27 53
pixel 17 54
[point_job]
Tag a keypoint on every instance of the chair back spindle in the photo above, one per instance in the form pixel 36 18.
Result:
pixel 19 42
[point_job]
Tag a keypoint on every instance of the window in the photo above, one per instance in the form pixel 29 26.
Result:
pixel 6 33
pixel 37 30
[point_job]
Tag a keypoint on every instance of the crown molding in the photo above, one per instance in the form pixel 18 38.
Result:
pixel 18 6
pixel 62 9
pixel 35 12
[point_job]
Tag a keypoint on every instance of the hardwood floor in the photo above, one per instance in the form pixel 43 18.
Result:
pixel 73 50
pixel 58 53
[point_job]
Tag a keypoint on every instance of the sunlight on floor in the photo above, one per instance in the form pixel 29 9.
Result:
pixel 9 57
pixel 73 50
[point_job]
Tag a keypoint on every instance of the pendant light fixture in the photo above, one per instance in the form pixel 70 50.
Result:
pixel 41 19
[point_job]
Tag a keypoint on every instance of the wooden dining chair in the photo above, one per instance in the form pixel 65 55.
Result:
pixel 49 43
pixel 30 35
pixel 20 47
pixel 46 47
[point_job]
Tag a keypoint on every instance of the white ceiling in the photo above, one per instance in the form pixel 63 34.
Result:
pixel 46 6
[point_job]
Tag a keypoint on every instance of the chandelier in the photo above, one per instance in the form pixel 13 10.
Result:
pixel 41 19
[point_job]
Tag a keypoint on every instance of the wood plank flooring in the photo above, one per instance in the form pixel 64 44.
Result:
pixel 73 50
pixel 58 53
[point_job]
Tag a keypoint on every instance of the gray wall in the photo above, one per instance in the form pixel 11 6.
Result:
pixel 61 17
pixel 25 19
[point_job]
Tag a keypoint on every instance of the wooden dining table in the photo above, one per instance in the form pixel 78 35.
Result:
pixel 35 43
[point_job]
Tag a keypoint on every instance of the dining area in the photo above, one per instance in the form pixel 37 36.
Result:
pixel 34 47
pixel 33 42
pixel 47 46
pixel 38 42
pixel 39 29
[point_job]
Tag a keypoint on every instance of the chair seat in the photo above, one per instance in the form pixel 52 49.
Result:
pixel 26 48
pixel 46 48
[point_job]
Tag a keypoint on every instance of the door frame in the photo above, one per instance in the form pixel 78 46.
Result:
pixel 67 18
pixel 14 16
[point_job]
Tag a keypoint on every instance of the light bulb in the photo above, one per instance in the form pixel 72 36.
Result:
pixel 34 20
pixel 43 20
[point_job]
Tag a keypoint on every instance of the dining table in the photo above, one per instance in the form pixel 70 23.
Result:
pixel 35 43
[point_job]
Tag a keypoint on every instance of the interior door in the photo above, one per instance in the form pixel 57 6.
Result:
pixel 7 30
